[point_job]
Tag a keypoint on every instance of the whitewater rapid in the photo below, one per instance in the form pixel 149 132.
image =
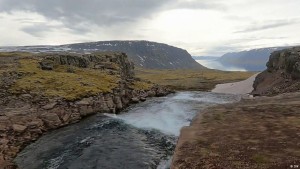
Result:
pixel 142 136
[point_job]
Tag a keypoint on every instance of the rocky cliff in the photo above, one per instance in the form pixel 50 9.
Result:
pixel 144 54
pixel 41 92
pixel 282 74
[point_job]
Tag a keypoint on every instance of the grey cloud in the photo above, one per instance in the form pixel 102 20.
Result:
pixel 80 15
pixel 39 29
pixel 102 12
pixel 269 25
pixel 204 4
pixel 220 50
pixel 99 12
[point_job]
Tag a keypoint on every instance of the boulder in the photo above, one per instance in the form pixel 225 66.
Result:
pixel 49 106
pixel 151 93
pixel 46 65
pixel 18 128
pixel 143 99
pixel 85 101
pixel 51 120
pixel 85 110
pixel 135 100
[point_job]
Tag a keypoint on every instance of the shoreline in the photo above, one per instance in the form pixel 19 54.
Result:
pixel 242 87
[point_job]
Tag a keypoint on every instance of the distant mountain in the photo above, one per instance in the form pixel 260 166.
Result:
pixel 145 54
pixel 205 57
pixel 251 60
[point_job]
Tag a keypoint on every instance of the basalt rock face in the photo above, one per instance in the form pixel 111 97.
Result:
pixel 282 74
pixel 25 116
pixel 100 60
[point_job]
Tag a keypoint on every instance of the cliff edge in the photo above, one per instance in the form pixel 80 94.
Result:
pixel 42 92
pixel 282 74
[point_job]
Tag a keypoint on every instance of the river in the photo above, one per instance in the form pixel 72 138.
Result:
pixel 140 137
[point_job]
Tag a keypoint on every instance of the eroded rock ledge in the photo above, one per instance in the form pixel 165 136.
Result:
pixel 47 91
pixel 282 74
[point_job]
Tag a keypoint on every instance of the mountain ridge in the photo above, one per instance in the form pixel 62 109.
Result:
pixel 146 54
pixel 251 60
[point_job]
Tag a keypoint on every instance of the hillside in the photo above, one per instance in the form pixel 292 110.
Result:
pixel 144 54
pixel 251 60
pixel 282 74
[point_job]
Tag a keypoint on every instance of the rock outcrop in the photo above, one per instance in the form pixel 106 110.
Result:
pixel 100 60
pixel 27 113
pixel 282 74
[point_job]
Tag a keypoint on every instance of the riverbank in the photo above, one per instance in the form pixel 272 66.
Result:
pixel 44 92
pixel 260 132
pixel 243 87
pixel 142 136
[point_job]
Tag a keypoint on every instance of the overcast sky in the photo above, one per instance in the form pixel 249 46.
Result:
pixel 203 27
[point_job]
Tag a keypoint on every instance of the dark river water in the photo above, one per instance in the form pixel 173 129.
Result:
pixel 141 137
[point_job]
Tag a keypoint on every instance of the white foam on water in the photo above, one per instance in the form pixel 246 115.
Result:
pixel 172 113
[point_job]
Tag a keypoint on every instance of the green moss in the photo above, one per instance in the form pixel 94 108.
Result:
pixel 141 85
pixel 259 158
pixel 13 54
pixel 61 82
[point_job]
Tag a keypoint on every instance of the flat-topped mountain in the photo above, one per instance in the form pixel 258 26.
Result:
pixel 144 54
pixel 251 60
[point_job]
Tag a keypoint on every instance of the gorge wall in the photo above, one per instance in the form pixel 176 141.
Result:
pixel 42 92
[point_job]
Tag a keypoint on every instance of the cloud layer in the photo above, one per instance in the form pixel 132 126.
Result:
pixel 203 27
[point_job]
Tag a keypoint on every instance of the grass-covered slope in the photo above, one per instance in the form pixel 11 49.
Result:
pixel 185 79
pixel 60 82
pixel 65 80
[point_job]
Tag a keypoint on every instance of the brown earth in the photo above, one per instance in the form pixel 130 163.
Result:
pixel 259 133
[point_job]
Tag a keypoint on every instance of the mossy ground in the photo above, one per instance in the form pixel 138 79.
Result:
pixel 262 134
pixel 142 85
pixel 60 83
pixel 191 79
